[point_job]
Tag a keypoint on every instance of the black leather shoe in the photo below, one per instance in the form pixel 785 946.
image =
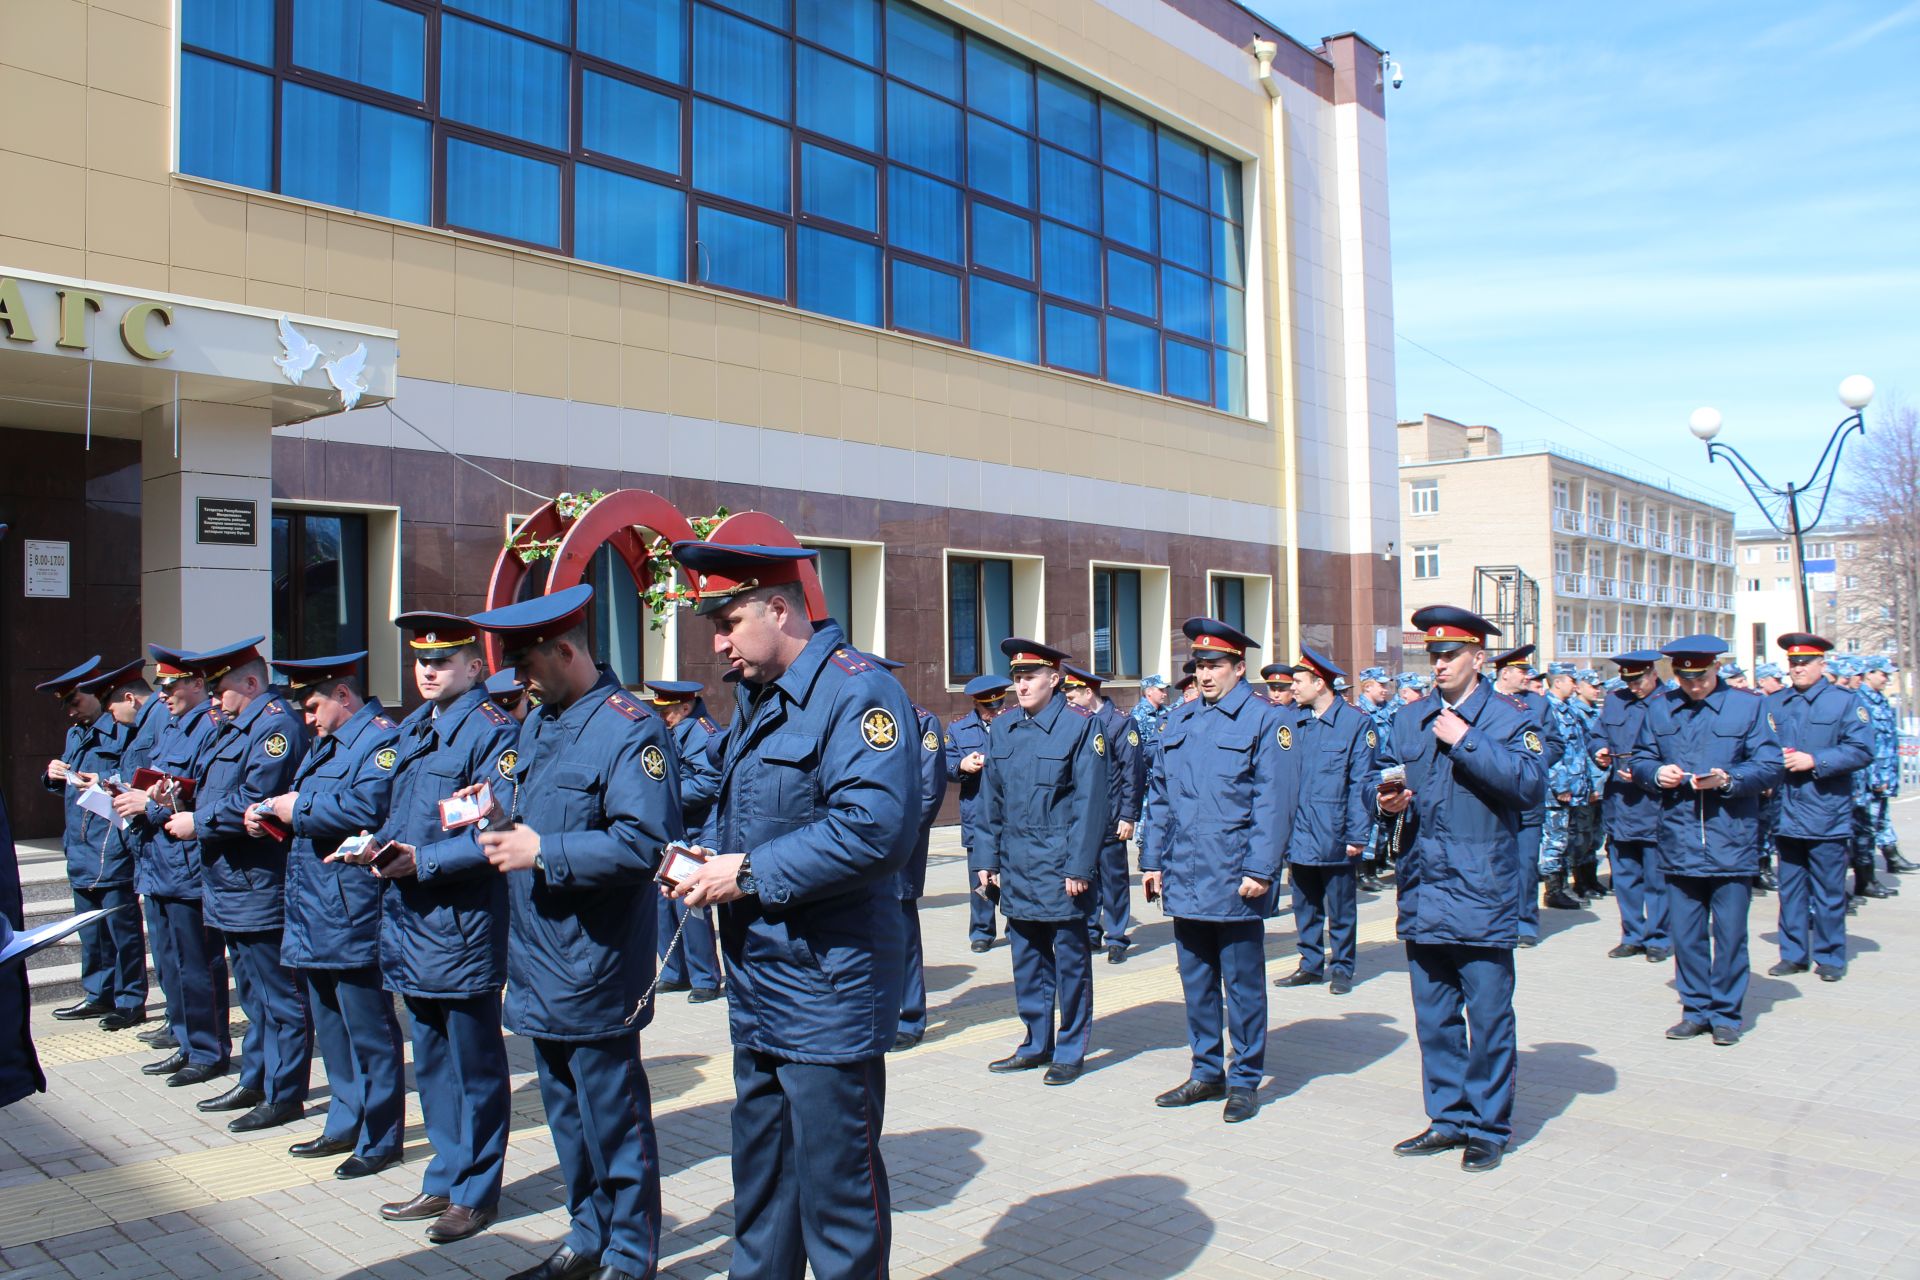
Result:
pixel 421 1206
pixel 1768 881
pixel 1428 1142
pixel 361 1167
pixel 1062 1073
pixel 1830 972
pixel 238 1098
pixel 980 945
pixel 121 1019
pixel 904 1041
pixel 1724 1036
pixel 1117 953
pixel 196 1073
pixel 1897 861
pixel 166 1066
pixel 1686 1029
pixel 704 995
pixel 1185 1095
pixel 676 986
pixel 1853 905
pixel 268 1115
pixel 1871 889
pixel 1480 1156
pixel 562 1264
pixel 611 1272
pixel 1339 985
pixel 1785 969
pixel 1242 1104
pixel 1299 978
pixel 1659 955
pixel 85 1009
pixel 314 1148
pixel 1529 942
pixel 1019 1062
pixel 457 1223
pixel 161 1037
pixel 1370 884
pixel 1626 950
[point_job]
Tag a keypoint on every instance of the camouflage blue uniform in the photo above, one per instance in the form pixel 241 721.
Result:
pixel 1884 774
pixel 1567 777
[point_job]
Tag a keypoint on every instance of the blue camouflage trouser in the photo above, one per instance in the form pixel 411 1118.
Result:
pixel 1881 809
pixel 1583 834
pixel 1769 820
pixel 1553 840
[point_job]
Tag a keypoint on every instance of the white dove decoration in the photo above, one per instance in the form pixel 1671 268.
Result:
pixel 346 375
pixel 299 354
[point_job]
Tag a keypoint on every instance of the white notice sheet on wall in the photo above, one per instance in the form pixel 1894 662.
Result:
pixel 50 569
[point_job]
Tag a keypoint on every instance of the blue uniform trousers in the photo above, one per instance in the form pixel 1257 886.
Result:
pixel 809 1186
pixel 913 996
pixel 1463 1015
pixel 358 1036
pixel 196 969
pixel 1813 900
pixel 163 970
pixel 1583 835
pixel 980 909
pixel 601 1113
pixel 277 1052
pixel 1707 916
pixel 1529 868
pixel 1224 961
pixel 696 961
pixel 1053 969
pixel 1111 922
pixel 460 1069
pixel 1640 886
pixel 1325 907
pixel 113 949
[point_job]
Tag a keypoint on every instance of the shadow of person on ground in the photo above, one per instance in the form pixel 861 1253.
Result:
pixel 1298 1053
pixel 929 1168
pixel 1147 1219
pixel 1551 1076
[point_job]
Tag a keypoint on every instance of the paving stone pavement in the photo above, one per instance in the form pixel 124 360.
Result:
pixel 1796 1153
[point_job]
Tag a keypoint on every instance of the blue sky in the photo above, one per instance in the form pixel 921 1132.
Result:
pixel 1622 212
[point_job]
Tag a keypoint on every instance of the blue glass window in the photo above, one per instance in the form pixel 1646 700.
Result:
pixel 237 28
pixel 1186 304
pixel 1229 252
pixel 1223 186
pixel 1183 234
pixel 839 187
pixel 1229 317
pixel 923 49
pixel 1128 208
pixel 1069 189
pixel 646 35
pixel 1130 283
pixel 1126 141
pixel 544 18
pixel 1133 355
pixel 1183 169
pixel 999 161
pixel 502 83
pixel 923 216
pixel 743 253
pixel 1002 241
pixel 922 131
pixel 226 122
pixel 1230 382
pixel 772 12
pixel 341 152
pixel 839 99
pixel 839 276
pixel 629 223
pixel 1006 321
pixel 999 83
pixel 380 45
pixel 925 300
pixel 1070 263
pixel 1068 114
pixel 741 63
pixel 851 27
pixel 502 194
pixel 741 157
pixel 1187 372
pixel 627 121
pixel 1073 340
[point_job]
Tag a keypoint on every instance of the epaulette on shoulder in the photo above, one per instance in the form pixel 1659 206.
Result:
pixel 626 706
pixel 494 714
pixel 1513 701
pixel 706 722
pixel 962 716
pixel 1080 711
pixel 382 722
pixel 275 707
pixel 850 662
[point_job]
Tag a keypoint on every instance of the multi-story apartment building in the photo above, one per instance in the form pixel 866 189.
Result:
pixel 1847 591
pixel 1564 551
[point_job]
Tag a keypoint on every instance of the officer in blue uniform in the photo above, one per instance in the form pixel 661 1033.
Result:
pixel 1379 703
pixel 1884 778
pixel 1827 736
pixel 965 750
pixel 1474 766
pixel 1334 744
pixel 1224 794
pixel 443 925
pixel 127 697
pixel 332 936
pixel 694 965
pixel 113 962
pixel 1706 751
pixel 911 882
pixel 253 754
pixel 818 811
pixel 1111 920
pixel 505 691
pixel 190 953
pixel 1566 799
pixel 20 1074
pixel 1041 825
pixel 1149 716
pixel 1769 679
pixel 1510 672
pixel 1631 815
pixel 596 800
pixel 1279 678
pixel 1586 833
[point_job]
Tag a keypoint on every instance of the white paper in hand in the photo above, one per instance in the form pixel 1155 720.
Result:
pixel 96 800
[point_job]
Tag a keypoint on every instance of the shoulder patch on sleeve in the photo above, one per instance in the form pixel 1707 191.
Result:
pixel 1284 736
pixel 1532 740
pixel 930 740
pixel 494 714
pixel 1133 737
pixel 625 705
pixel 385 758
pixel 509 761
pixel 1099 743
pixel 879 729
pixel 1862 712
pixel 276 744
pixel 384 723
pixel 654 761
pixel 1373 739
pixel 849 661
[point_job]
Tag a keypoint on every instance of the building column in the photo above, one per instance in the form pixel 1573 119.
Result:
pixel 194 592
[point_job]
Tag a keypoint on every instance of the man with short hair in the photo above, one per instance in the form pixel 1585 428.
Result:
pixel 1111 921
pixel 1585 834
pixel 965 750
pixel 1770 677
pixel 1735 676
pixel 1510 672
pixel 1562 826
pixel 694 965
pixel 1331 822
pixel 130 700
pixel 1279 677
pixel 1632 815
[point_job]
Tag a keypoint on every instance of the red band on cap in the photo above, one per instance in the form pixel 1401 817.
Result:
pixel 1804 651
pixel 1215 644
pixel 1445 632
pixel 1031 660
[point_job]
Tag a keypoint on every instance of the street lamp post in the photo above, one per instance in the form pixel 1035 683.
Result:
pixel 1856 393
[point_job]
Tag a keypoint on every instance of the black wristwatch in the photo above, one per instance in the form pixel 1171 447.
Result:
pixel 745 878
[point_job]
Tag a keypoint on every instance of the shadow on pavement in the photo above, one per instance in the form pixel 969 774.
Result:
pixel 929 1168
pixel 1116 1211
pixel 1551 1076
pixel 1298 1053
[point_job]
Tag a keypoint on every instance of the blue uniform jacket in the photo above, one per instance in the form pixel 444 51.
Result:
pixel 600 783
pixel 250 757
pixel 693 740
pixel 1126 778
pixel 167 867
pixel 443 930
pixel 20 1074
pixel 1223 795
pixel 1549 727
pixel 912 879
pixel 1709 833
pixel 142 744
pixel 819 786
pixel 1460 836
pixel 966 735
pixel 1833 726
pixel 333 909
pixel 97 855
pixel 1335 765
pixel 1044 811
pixel 1628 811
pixel 1884 776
